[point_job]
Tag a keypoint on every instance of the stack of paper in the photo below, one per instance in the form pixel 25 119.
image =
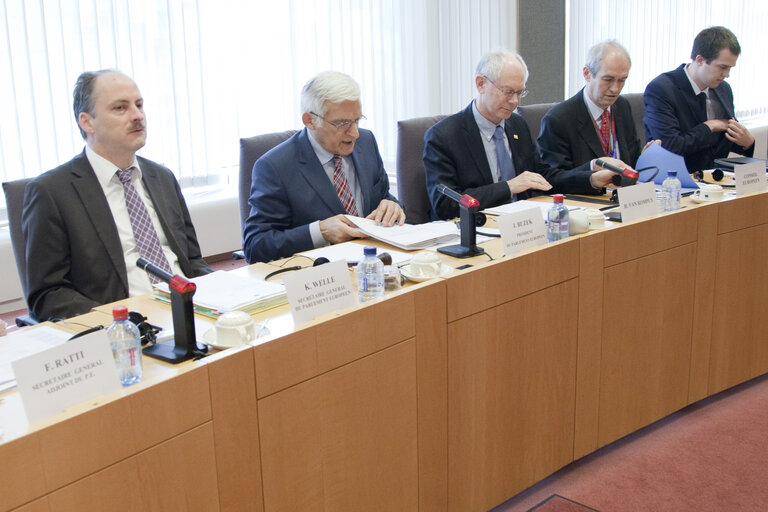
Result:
pixel 222 291
pixel 410 237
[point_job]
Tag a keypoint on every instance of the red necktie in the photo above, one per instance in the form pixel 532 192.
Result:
pixel 605 139
pixel 342 187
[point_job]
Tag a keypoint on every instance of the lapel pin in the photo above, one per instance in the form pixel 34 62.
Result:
pixel 514 136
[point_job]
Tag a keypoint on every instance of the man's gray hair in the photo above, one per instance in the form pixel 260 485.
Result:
pixel 492 63
pixel 597 53
pixel 328 86
pixel 82 96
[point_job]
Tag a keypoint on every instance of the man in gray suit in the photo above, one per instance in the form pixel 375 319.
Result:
pixel 87 221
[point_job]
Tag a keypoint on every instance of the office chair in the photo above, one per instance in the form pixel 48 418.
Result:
pixel 411 182
pixel 637 104
pixel 251 149
pixel 14 200
pixel 533 115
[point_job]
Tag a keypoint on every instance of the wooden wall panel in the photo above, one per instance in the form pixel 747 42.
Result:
pixel 286 361
pixel 236 431
pixel 345 440
pixel 646 348
pixel 40 505
pixel 743 213
pixel 511 387
pixel 651 236
pixel 432 375
pixel 740 323
pixel 21 472
pixel 591 262
pixel 477 289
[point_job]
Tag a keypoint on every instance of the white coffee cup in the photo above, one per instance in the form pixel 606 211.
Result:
pixel 596 219
pixel 709 192
pixel 425 264
pixel 578 222
pixel 235 328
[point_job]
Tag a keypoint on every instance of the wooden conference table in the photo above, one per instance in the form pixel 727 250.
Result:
pixel 453 394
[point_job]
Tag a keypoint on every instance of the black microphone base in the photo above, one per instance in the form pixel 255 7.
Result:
pixel 169 352
pixel 461 251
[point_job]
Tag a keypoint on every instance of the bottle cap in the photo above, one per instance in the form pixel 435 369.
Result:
pixel 120 313
pixel 369 251
pixel 558 198
pixel 672 174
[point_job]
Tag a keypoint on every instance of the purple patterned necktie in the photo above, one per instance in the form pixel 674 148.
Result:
pixel 144 232
pixel 342 186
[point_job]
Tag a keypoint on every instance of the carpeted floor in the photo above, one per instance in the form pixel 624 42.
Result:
pixel 711 456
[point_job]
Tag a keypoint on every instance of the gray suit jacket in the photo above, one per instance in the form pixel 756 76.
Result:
pixel 74 257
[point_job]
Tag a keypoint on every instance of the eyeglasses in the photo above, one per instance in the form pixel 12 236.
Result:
pixel 509 93
pixel 344 124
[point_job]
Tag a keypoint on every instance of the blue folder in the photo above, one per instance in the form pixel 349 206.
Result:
pixel 665 160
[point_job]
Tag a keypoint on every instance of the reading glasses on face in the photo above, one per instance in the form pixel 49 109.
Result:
pixel 509 93
pixel 344 124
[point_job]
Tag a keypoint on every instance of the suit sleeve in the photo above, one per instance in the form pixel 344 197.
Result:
pixel 50 292
pixel 662 121
pixel 380 189
pixel 198 265
pixel 554 143
pixel 440 167
pixel 268 234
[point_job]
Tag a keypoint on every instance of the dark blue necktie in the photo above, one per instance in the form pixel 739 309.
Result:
pixel 506 166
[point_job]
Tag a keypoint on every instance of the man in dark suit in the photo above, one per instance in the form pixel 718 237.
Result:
pixel 303 188
pixel 487 151
pixel 88 221
pixel 595 122
pixel 691 108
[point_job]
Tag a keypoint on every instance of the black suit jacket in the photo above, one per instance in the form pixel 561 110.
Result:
pixel 568 137
pixel 674 114
pixel 74 257
pixel 454 156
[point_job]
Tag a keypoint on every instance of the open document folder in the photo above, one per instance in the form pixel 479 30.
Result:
pixel 664 160
pixel 409 237
pixel 219 292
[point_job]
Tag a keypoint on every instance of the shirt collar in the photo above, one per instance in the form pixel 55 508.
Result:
pixel 696 89
pixel 323 155
pixel 104 169
pixel 594 109
pixel 487 128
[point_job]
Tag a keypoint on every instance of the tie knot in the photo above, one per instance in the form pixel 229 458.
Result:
pixel 124 175
pixel 498 133
pixel 604 116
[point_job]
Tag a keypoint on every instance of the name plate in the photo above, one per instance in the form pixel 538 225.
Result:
pixel 750 178
pixel 637 201
pixel 52 380
pixel 521 230
pixel 315 291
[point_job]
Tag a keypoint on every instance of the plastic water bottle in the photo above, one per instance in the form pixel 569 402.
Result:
pixel 370 276
pixel 671 190
pixel 126 346
pixel 557 220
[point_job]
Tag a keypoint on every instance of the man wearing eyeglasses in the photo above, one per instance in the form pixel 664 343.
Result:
pixel 597 121
pixel 303 189
pixel 487 151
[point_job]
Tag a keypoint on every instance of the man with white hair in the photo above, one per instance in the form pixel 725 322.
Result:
pixel 303 188
pixel 487 151
pixel 597 121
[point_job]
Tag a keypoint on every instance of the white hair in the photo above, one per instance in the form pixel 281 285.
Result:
pixel 598 52
pixel 328 86
pixel 492 63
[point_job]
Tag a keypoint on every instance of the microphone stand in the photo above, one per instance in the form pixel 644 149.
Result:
pixel 184 345
pixel 468 207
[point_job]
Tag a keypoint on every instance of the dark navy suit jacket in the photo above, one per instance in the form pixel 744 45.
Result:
pixel 74 256
pixel 675 115
pixel 454 156
pixel 568 137
pixel 290 190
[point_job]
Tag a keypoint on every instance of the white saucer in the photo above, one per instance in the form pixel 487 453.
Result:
pixel 209 338
pixel 699 199
pixel 406 271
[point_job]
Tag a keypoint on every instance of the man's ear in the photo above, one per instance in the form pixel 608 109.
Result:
pixel 587 74
pixel 308 120
pixel 84 120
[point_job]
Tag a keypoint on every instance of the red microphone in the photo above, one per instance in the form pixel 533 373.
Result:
pixel 626 171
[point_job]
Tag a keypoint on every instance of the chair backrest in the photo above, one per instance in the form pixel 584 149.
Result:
pixel 251 149
pixel 533 115
pixel 635 100
pixel 411 183
pixel 14 201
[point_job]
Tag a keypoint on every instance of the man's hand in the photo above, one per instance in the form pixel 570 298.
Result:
pixel 738 134
pixel 656 141
pixel 717 125
pixel 387 213
pixel 528 180
pixel 339 229
pixel 600 179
